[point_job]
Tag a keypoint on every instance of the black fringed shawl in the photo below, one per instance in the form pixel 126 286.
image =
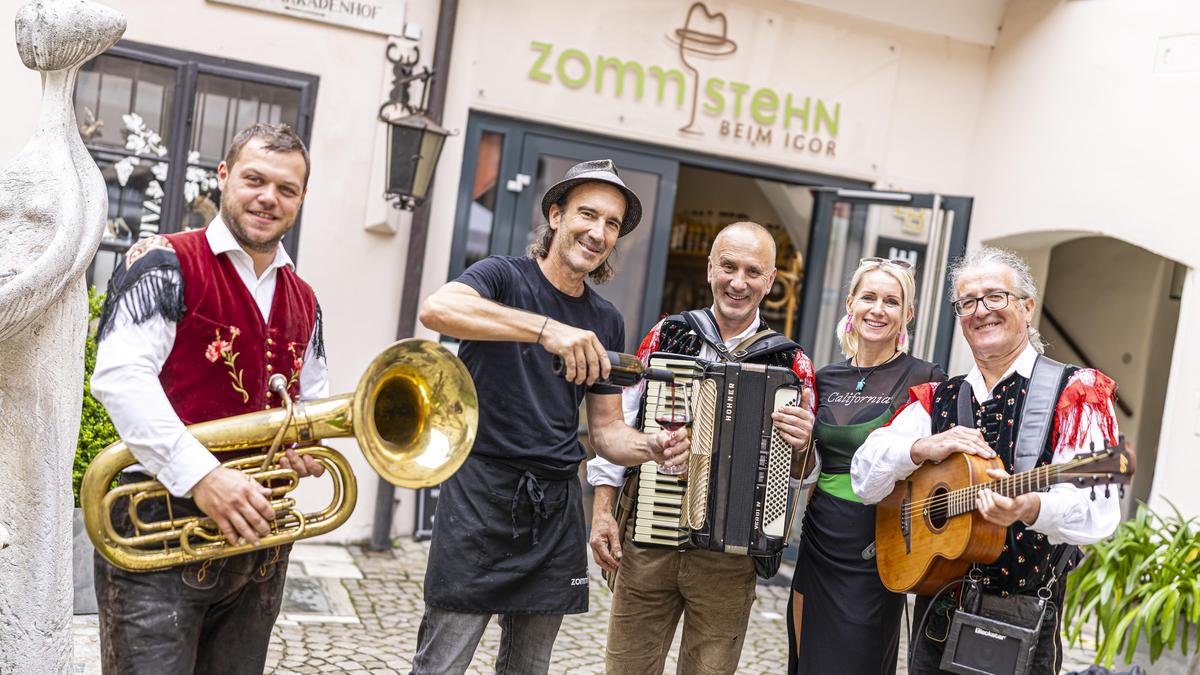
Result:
pixel 147 283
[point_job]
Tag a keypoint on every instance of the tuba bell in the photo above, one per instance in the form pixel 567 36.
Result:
pixel 414 415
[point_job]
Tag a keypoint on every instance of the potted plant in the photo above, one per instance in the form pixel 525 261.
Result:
pixel 96 432
pixel 1142 586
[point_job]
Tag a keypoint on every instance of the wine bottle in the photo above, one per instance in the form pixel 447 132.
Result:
pixel 627 370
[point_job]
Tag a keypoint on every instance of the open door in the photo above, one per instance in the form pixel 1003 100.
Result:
pixel 636 288
pixel 927 230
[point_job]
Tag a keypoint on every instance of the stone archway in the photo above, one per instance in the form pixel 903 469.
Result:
pixel 1115 306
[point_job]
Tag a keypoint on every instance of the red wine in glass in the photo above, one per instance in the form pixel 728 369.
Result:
pixel 672 414
pixel 671 422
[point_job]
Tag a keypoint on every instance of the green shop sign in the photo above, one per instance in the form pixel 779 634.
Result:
pixel 755 115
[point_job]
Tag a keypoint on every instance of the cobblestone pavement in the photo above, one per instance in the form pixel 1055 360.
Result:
pixel 347 611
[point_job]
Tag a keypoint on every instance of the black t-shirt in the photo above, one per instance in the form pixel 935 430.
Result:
pixel 526 412
pixel 886 388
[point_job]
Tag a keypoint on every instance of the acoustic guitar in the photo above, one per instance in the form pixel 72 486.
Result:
pixel 928 533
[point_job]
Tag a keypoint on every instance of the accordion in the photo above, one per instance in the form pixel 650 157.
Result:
pixel 737 497
pixel 658 499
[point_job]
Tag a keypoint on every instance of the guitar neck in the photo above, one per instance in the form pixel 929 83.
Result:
pixel 1035 480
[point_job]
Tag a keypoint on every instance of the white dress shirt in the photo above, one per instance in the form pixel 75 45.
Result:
pixel 131 356
pixel 1068 514
pixel 600 471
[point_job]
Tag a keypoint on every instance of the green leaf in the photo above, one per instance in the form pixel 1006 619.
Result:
pixel 1169 619
pixel 1113 639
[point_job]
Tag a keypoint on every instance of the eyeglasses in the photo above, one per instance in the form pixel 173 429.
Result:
pixel 898 262
pixel 994 301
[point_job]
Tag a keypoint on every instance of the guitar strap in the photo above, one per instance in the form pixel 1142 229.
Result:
pixel 1037 411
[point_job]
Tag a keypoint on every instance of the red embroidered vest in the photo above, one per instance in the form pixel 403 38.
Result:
pixel 224 352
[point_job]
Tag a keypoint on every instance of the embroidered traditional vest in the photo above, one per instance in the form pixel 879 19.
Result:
pixel 1022 565
pixel 224 352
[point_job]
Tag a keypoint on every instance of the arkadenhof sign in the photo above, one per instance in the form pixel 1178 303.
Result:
pixel 755 115
pixel 373 16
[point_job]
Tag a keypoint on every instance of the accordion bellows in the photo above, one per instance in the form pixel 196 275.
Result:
pixel 736 496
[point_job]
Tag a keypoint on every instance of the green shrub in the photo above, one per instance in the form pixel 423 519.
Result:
pixel 96 430
pixel 1143 579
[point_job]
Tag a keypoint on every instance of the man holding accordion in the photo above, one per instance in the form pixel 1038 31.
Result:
pixel 194 326
pixel 657 581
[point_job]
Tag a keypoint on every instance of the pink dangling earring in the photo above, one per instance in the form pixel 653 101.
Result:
pixel 849 323
pixel 900 340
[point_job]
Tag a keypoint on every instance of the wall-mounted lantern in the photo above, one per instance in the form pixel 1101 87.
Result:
pixel 414 141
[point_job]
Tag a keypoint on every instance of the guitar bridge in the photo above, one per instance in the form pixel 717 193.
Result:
pixel 905 518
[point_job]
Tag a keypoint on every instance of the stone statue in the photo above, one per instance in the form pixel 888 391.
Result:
pixel 53 205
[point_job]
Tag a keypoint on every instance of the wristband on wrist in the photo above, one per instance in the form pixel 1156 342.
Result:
pixel 543 330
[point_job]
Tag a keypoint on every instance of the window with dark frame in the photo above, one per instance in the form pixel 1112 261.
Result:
pixel 158 121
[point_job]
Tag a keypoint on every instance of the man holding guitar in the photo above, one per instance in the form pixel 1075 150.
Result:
pixel 1065 411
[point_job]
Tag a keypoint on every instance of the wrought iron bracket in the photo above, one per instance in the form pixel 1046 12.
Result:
pixel 402 202
pixel 404 73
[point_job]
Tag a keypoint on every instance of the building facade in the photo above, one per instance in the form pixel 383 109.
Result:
pixel 849 129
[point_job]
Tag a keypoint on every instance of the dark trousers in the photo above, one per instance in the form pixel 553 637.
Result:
pixel 446 642
pixel 930 643
pixel 210 617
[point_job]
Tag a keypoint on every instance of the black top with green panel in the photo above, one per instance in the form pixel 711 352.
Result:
pixel 855 401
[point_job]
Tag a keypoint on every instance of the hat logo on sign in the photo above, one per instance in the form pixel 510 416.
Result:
pixel 704 33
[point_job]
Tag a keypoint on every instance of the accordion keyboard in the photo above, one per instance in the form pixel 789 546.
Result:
pixel 659 495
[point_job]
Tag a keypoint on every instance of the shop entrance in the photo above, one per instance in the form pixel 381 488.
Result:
pixel 822 226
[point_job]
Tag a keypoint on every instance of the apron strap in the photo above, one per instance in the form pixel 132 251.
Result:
pixel 529 483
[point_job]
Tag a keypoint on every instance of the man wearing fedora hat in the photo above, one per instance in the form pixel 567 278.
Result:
pixel 508 535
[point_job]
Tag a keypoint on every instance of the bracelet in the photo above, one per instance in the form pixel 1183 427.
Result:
pixel 543 330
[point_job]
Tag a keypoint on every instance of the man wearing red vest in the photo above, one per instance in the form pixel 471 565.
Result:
pixel 193 326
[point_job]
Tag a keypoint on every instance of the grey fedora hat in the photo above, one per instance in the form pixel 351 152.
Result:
pixel 596 170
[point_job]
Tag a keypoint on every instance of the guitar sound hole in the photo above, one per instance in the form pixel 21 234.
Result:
pixel 938 508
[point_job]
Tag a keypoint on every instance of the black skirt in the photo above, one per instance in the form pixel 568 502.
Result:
pixel 851 622
pixel 507 540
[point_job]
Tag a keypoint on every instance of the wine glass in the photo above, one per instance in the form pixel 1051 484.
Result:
pixel 673 411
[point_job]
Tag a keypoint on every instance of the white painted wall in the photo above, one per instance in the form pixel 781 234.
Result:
pixel 911 98
pixel 975 21
pixel 1088 125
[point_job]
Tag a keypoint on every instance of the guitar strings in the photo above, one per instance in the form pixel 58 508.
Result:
pixel 966 496
pixel 998 485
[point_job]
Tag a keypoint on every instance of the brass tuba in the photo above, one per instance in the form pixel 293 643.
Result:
pixel 414 414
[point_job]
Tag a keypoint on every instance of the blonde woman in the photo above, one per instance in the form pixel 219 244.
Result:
pixel 842 619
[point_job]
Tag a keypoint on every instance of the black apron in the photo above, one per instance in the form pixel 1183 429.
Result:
pixel 508 538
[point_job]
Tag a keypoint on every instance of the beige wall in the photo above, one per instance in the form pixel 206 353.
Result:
pixel 1088 126
pixel 357 274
